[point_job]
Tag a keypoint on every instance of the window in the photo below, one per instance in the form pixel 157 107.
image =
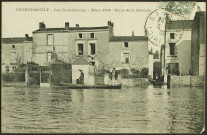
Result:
pixel 125 57
pixel 50 39
pixel 93 48
pixel 172 48
pixel 80 35
pixel 7 69
pixel 155 56
pixel 13 57
pixel 13 68
pixel 13 46
pixel 126 44
pixel 49 56
pixel 92 35
pixel 172 35
pixel 80 49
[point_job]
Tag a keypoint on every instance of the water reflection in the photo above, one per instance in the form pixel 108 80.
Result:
pixel 129 110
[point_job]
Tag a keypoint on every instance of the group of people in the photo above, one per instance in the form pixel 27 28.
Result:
pixel 112 77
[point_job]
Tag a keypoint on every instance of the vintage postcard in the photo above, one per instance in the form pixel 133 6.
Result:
pixel 103 67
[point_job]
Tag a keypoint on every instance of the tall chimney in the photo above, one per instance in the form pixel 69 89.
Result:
pixel 41 25
pixel 26 37
pixel 111 28
pixel 66 25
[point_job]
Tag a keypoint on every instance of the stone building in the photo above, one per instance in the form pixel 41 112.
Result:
pixel 177 48
pixel 15 51
pixel 70 43
pixel 128 52
pixel 198 45
pixel 97 45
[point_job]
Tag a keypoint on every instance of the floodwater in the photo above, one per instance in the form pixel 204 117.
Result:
pixel 129 110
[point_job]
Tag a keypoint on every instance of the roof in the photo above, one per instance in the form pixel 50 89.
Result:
pixel 180 24
pixel 71 29
pixel 80 61
pixel 127 38
pixel 15 40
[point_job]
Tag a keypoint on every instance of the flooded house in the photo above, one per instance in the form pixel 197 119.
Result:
pixel 70 43
pixel 177 50
pixel 127 52
pixel 15 51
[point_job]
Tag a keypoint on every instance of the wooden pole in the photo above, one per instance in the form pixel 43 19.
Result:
pixel 26 77
pixel 40 77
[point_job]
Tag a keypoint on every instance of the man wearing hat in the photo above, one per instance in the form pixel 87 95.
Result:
pixel 81 78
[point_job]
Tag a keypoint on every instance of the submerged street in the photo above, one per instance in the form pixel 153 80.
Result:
pixel 128 110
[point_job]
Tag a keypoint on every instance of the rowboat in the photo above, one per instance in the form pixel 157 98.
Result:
pixel 82 86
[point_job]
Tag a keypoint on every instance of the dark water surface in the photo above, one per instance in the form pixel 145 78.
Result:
pixel 129 110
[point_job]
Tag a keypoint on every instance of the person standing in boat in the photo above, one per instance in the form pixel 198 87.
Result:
pixel 81 78
pixel 113 76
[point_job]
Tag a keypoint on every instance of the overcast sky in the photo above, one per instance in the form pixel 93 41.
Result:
pixel 18 23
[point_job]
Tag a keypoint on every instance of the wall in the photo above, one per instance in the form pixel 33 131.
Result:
pixel 40 47
pixel 182 50
pixel 198 44
pixel 138 50
pixel 195 47
pixel 184 56
pixel 135 82
pixel 7 57
pixel 27 51
pixel 101 41
pixel 197 80
pixel 178 81
pixel 151 63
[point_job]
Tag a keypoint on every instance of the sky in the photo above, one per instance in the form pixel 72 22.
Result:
pixel 18 23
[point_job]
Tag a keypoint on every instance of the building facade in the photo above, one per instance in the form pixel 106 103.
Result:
pixel 176 54
pixel 198 45
pixel 70 43
pixel 15 51
pixel 97 45
pixel 128 52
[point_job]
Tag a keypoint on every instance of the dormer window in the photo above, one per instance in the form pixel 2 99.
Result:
pixel 91 35
pixel 126 44
pixel 80 35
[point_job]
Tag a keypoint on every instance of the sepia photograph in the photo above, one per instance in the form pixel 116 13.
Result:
pixel 103 67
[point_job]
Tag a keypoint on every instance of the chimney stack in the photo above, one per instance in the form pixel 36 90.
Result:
pixel 111 28
pixel 66 25
pixel 41 25
pixel 132 33
pixel 109 23
pixel 26 37
pixel 77 25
